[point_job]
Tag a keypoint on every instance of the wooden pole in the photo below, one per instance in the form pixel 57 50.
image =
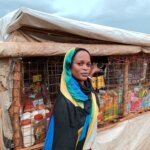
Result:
pixel 125 89
pixel 15 107
pixel 37 147
pixel 0 130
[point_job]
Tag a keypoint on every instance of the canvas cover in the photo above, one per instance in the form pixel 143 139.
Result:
pixel 6 82
pixel 27 49
pixel 28 17
pixel 133 134
pixel 11 31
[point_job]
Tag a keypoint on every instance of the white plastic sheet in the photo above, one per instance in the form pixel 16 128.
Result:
pixel 39 20
pixel 133 134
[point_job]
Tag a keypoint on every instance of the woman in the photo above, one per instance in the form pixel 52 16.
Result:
pixel 74 120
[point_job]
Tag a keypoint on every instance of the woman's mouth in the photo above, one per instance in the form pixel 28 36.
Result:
pixel 84 74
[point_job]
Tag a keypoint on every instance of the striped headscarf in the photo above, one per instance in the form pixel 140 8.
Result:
pixel 71 83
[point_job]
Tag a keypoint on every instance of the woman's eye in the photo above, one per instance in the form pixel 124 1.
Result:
pixel 88 65
pixel 80 64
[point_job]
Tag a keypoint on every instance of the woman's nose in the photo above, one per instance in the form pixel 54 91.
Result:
pixel 85 67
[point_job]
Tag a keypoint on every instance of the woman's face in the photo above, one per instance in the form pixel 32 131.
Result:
pixel 81 66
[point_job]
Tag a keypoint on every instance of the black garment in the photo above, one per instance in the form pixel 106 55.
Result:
pixel 68 119
pixel 88 89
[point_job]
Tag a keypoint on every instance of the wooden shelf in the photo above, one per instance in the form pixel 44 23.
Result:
pixel 34 147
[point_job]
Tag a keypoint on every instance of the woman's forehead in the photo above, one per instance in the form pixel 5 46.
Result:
pixel 82 55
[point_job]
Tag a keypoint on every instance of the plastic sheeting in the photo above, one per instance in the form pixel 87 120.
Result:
pixel 26 49
pixel 133 134
pixel 39 20
pixel 6 70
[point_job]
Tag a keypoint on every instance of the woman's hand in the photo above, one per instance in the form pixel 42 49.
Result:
pixel 94 69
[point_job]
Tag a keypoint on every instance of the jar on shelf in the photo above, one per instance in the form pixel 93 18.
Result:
pixel 27 133
pixel 39 128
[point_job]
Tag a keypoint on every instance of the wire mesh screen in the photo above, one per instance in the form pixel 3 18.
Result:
pixel 133 90
pixel 109 87
pixel 41 80
pixel 139 83
pixel 54 70
pixel 119 76
pixel 49 69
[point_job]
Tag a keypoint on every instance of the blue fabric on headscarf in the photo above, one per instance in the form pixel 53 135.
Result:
pixel 85 127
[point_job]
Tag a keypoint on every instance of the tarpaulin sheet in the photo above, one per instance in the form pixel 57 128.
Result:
pixel 40 20
pixel 132 134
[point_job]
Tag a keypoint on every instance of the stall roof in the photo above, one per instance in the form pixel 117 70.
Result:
pixel 36 19
pixel 26 25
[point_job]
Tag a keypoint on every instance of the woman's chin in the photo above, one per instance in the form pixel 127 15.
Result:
pixel 84 78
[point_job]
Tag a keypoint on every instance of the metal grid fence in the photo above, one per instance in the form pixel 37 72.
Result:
pixel 123 87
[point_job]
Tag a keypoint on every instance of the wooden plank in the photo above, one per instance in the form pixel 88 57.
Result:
pixel 130 116
pixel 35 147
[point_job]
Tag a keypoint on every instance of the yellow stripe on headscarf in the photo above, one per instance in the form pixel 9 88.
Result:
pixel 93 117
pixel 66 93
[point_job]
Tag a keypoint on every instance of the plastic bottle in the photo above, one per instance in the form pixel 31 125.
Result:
pixel 39 128
pixel 27 133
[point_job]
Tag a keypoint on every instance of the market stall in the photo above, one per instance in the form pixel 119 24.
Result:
pixel 31 56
